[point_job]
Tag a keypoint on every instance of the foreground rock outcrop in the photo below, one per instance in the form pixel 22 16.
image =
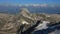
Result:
pixel 9 23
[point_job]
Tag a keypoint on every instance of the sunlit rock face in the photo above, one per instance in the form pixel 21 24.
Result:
pixel 10 23
pixel 25 12
pixel 24 22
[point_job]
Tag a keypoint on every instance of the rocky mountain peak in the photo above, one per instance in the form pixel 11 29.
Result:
pixel 24 11
pixel 10 23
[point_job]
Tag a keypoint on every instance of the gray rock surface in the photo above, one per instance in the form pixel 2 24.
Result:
pixel 9 24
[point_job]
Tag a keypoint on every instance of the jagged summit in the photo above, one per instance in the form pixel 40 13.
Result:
pixel 24 11
pixel 9 24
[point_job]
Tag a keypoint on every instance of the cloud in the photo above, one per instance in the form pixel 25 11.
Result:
pixel 34 5
pixel 43 5
pixel 52 5
pixel 40 5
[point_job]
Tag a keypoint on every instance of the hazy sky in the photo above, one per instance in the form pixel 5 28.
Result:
pixel 30 1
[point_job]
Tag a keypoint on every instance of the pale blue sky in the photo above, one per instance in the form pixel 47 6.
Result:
pixel 30 1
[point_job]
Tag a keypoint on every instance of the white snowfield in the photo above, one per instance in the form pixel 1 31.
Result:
pixel 42 25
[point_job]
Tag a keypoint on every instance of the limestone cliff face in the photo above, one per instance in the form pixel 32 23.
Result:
pixel 9 24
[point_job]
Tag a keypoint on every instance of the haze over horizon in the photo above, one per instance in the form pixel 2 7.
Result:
pixel 13 6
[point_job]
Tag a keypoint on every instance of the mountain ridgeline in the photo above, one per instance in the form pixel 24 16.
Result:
pixel 25 20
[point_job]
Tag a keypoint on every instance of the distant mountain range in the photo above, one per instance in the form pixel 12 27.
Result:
pixel 37 9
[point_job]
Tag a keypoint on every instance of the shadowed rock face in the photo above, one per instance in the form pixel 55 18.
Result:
pixel 10 24
pixel 52 29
